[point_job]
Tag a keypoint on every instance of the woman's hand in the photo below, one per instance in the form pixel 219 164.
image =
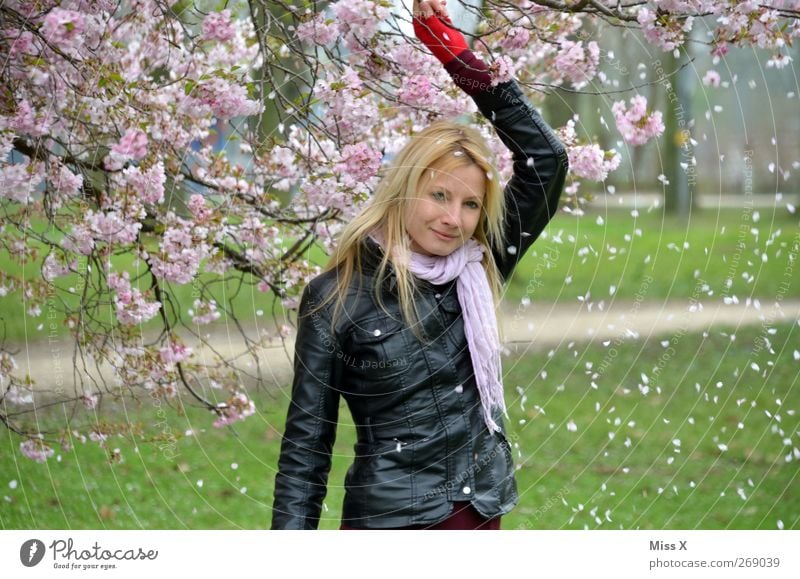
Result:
pixel 427 8
pixel 448 45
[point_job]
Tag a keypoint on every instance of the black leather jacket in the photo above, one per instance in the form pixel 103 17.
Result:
pixel 421 439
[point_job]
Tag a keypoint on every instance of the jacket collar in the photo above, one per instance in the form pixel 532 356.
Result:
pixel 371 255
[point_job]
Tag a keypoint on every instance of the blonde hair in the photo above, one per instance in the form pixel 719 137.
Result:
pixel 442 146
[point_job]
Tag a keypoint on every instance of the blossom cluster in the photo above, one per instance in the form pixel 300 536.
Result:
pixel 183 247
pixel 636 124
pixel 131 305
pixel 578 63
pixel 236 408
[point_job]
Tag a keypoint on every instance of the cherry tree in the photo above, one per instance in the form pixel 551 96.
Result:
pixel 111 173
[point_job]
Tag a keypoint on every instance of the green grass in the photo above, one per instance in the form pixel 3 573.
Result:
pixel 703 391
pixel 649 256
pixel 584 255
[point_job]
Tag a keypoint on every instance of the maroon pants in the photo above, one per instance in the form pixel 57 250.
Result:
pixel 463 517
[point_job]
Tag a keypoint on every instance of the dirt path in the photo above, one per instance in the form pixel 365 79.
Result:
pixel 539 326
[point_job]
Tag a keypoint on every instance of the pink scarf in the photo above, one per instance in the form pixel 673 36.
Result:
pixel 477 307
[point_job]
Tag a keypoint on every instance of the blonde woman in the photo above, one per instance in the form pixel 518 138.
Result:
pixel 401 323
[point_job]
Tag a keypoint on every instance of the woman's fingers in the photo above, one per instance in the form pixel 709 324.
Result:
pixel 427 8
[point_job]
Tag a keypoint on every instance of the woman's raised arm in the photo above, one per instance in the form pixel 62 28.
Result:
pixel 540 159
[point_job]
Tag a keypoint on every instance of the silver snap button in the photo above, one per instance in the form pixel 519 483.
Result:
pixel 376 333
pixel 466 490
pixel 438 296
pixel 459 388
pixel 475 456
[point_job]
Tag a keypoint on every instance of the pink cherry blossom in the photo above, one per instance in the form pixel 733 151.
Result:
pixel 218 26
pixel 226 100
pixel 133 145
pixel 635 124
pixel 35 449
pixel 711 78
pixel 20 43
pixel 63 28
pixel 350 109
pixel 79 240
pixel 318 30
pixel 131 306
pixel 181 251
pixel 147 185
pixel 90 401
pixel 237 408
pixel 18 395
pixel 98 437
pixel 779 60
pixel 502 70
pixel 359 163
pixel 517 38
pixel 198 208
pixel 591 162
pixel 30 121
pixel 358 21
pixel 53 267
pixel 112 227
pixel 204 312
pixel 417 90
pixel 665 30
pixel 66 183
pixel 577 63
pixel 174 353
pixel 19 181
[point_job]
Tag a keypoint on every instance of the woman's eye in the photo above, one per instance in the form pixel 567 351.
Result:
pixel 474 205
pixel 438 195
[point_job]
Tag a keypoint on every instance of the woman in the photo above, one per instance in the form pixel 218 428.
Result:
pixel 408 335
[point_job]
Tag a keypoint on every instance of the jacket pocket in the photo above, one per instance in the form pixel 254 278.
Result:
pixel 378 351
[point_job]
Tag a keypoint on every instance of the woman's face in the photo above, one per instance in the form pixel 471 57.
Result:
pixel 447 211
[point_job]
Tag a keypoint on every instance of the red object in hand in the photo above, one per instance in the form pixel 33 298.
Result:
pixel 468 71
pixel 443 41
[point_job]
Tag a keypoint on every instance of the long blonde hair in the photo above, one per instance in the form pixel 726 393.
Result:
pixel 430 150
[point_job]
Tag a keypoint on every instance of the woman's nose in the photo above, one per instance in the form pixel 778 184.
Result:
pixel 451 217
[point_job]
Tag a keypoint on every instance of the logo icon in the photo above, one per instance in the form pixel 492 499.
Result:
pixel 31 552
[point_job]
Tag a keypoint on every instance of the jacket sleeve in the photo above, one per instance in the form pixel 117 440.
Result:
pixel 305 457
pixel 540 168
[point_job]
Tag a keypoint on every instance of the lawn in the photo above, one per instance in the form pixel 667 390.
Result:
pixel 600 256
pixel 608 255
pixel 695 432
